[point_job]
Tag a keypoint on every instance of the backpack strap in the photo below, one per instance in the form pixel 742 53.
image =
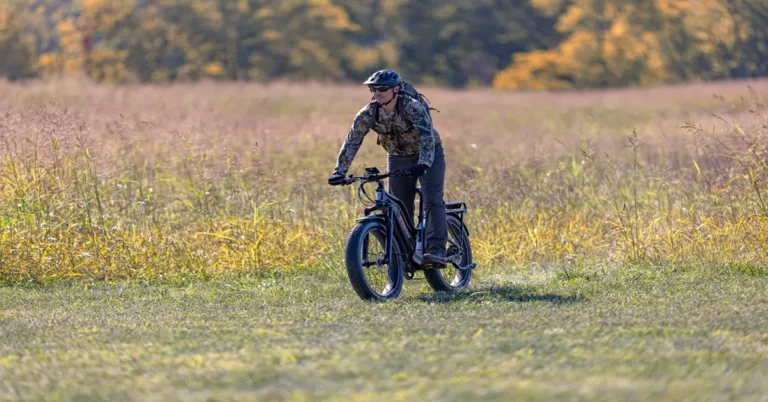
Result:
pixel 427 102
pixel 376 107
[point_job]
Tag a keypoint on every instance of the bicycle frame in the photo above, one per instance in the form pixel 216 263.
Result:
pixel 404 232
pixel 400 227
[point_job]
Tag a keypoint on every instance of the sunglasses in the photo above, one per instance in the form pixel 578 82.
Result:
pixel 380 89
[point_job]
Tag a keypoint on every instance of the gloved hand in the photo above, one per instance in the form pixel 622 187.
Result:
pixel 336 179
pixel 418 169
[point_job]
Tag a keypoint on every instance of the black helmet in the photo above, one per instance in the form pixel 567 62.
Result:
pixel 388 78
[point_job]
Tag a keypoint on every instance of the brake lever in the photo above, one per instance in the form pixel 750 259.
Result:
pixel 348 180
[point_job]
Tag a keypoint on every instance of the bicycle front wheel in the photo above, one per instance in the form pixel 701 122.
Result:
pixel 366 251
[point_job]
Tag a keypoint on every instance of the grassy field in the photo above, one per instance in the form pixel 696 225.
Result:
pixel 180 242
pixel 622 333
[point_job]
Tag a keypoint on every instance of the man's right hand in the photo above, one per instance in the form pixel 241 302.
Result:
pixel 336 179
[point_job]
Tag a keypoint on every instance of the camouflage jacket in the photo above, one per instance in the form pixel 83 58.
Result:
pixel 407 130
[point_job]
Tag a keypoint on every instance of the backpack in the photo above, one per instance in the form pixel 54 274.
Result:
pixel 408 91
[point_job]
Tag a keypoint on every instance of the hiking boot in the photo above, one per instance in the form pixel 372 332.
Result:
pixel 433 261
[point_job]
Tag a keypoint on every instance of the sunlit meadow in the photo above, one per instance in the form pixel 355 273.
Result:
pixel 143 182
pixel 181 242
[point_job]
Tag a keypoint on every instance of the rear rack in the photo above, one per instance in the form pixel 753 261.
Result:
pixel 457 208
pixel 456 205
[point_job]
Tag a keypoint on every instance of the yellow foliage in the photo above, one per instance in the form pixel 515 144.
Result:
pixel 271 35
pixel 627 51
pixel 47 60
pixel 65 27
pixel 445 12
pixel 3 20
pixel 711 23
pixel 578 46
pixel 534 70
pixel 214 69
pixel 334 17
pixel 675 8
pixel 73 64
pixel 109 65
pixel 90 4
pixel 571 18
pixel 264 12
pixel 105 14
pixel 706 47
pixel 391 6
pixel 363 58
pixel 619 28
pixel 388 53
pixel 159 75
pixel 548 7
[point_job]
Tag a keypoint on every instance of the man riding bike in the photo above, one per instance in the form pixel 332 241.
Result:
pixel 405 131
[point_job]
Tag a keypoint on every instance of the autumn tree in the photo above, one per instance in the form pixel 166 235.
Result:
pixel 461 43
pixel 465 42
pixel 626 42
pixel 751 50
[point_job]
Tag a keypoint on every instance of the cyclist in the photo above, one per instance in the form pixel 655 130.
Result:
pixel 405 131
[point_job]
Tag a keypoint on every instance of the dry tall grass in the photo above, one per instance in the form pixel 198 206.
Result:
pixel 152 181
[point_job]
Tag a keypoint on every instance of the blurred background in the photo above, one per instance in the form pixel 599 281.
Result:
pixel 521 44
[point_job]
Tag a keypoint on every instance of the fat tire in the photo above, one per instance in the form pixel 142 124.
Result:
pixel 434 276
pixel 355 269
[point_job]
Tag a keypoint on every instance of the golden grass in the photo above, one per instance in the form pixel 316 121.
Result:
pixel 200 179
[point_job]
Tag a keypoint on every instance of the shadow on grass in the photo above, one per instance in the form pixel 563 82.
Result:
pixel 508 293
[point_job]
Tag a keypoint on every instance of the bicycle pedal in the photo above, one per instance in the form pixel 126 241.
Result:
pixel 431 265
pixel 468 267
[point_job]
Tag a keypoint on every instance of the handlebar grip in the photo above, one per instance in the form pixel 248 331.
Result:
pixel 349 180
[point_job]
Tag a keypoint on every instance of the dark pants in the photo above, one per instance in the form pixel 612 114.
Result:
pixel 435 230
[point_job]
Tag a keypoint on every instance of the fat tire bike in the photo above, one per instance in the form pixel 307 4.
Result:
pixel 385 246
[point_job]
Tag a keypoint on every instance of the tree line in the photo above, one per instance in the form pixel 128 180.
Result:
pixel 526 44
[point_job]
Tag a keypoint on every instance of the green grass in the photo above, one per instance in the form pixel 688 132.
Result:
pixel 181 243
pixel 639 332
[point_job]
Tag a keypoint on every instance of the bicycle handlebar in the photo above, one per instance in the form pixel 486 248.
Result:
pixel 369 177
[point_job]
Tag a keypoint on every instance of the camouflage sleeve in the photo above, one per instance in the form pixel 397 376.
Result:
pixel 360 127
pixel 419 117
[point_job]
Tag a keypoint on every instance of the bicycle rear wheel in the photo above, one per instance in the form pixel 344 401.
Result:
pixel 458 254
